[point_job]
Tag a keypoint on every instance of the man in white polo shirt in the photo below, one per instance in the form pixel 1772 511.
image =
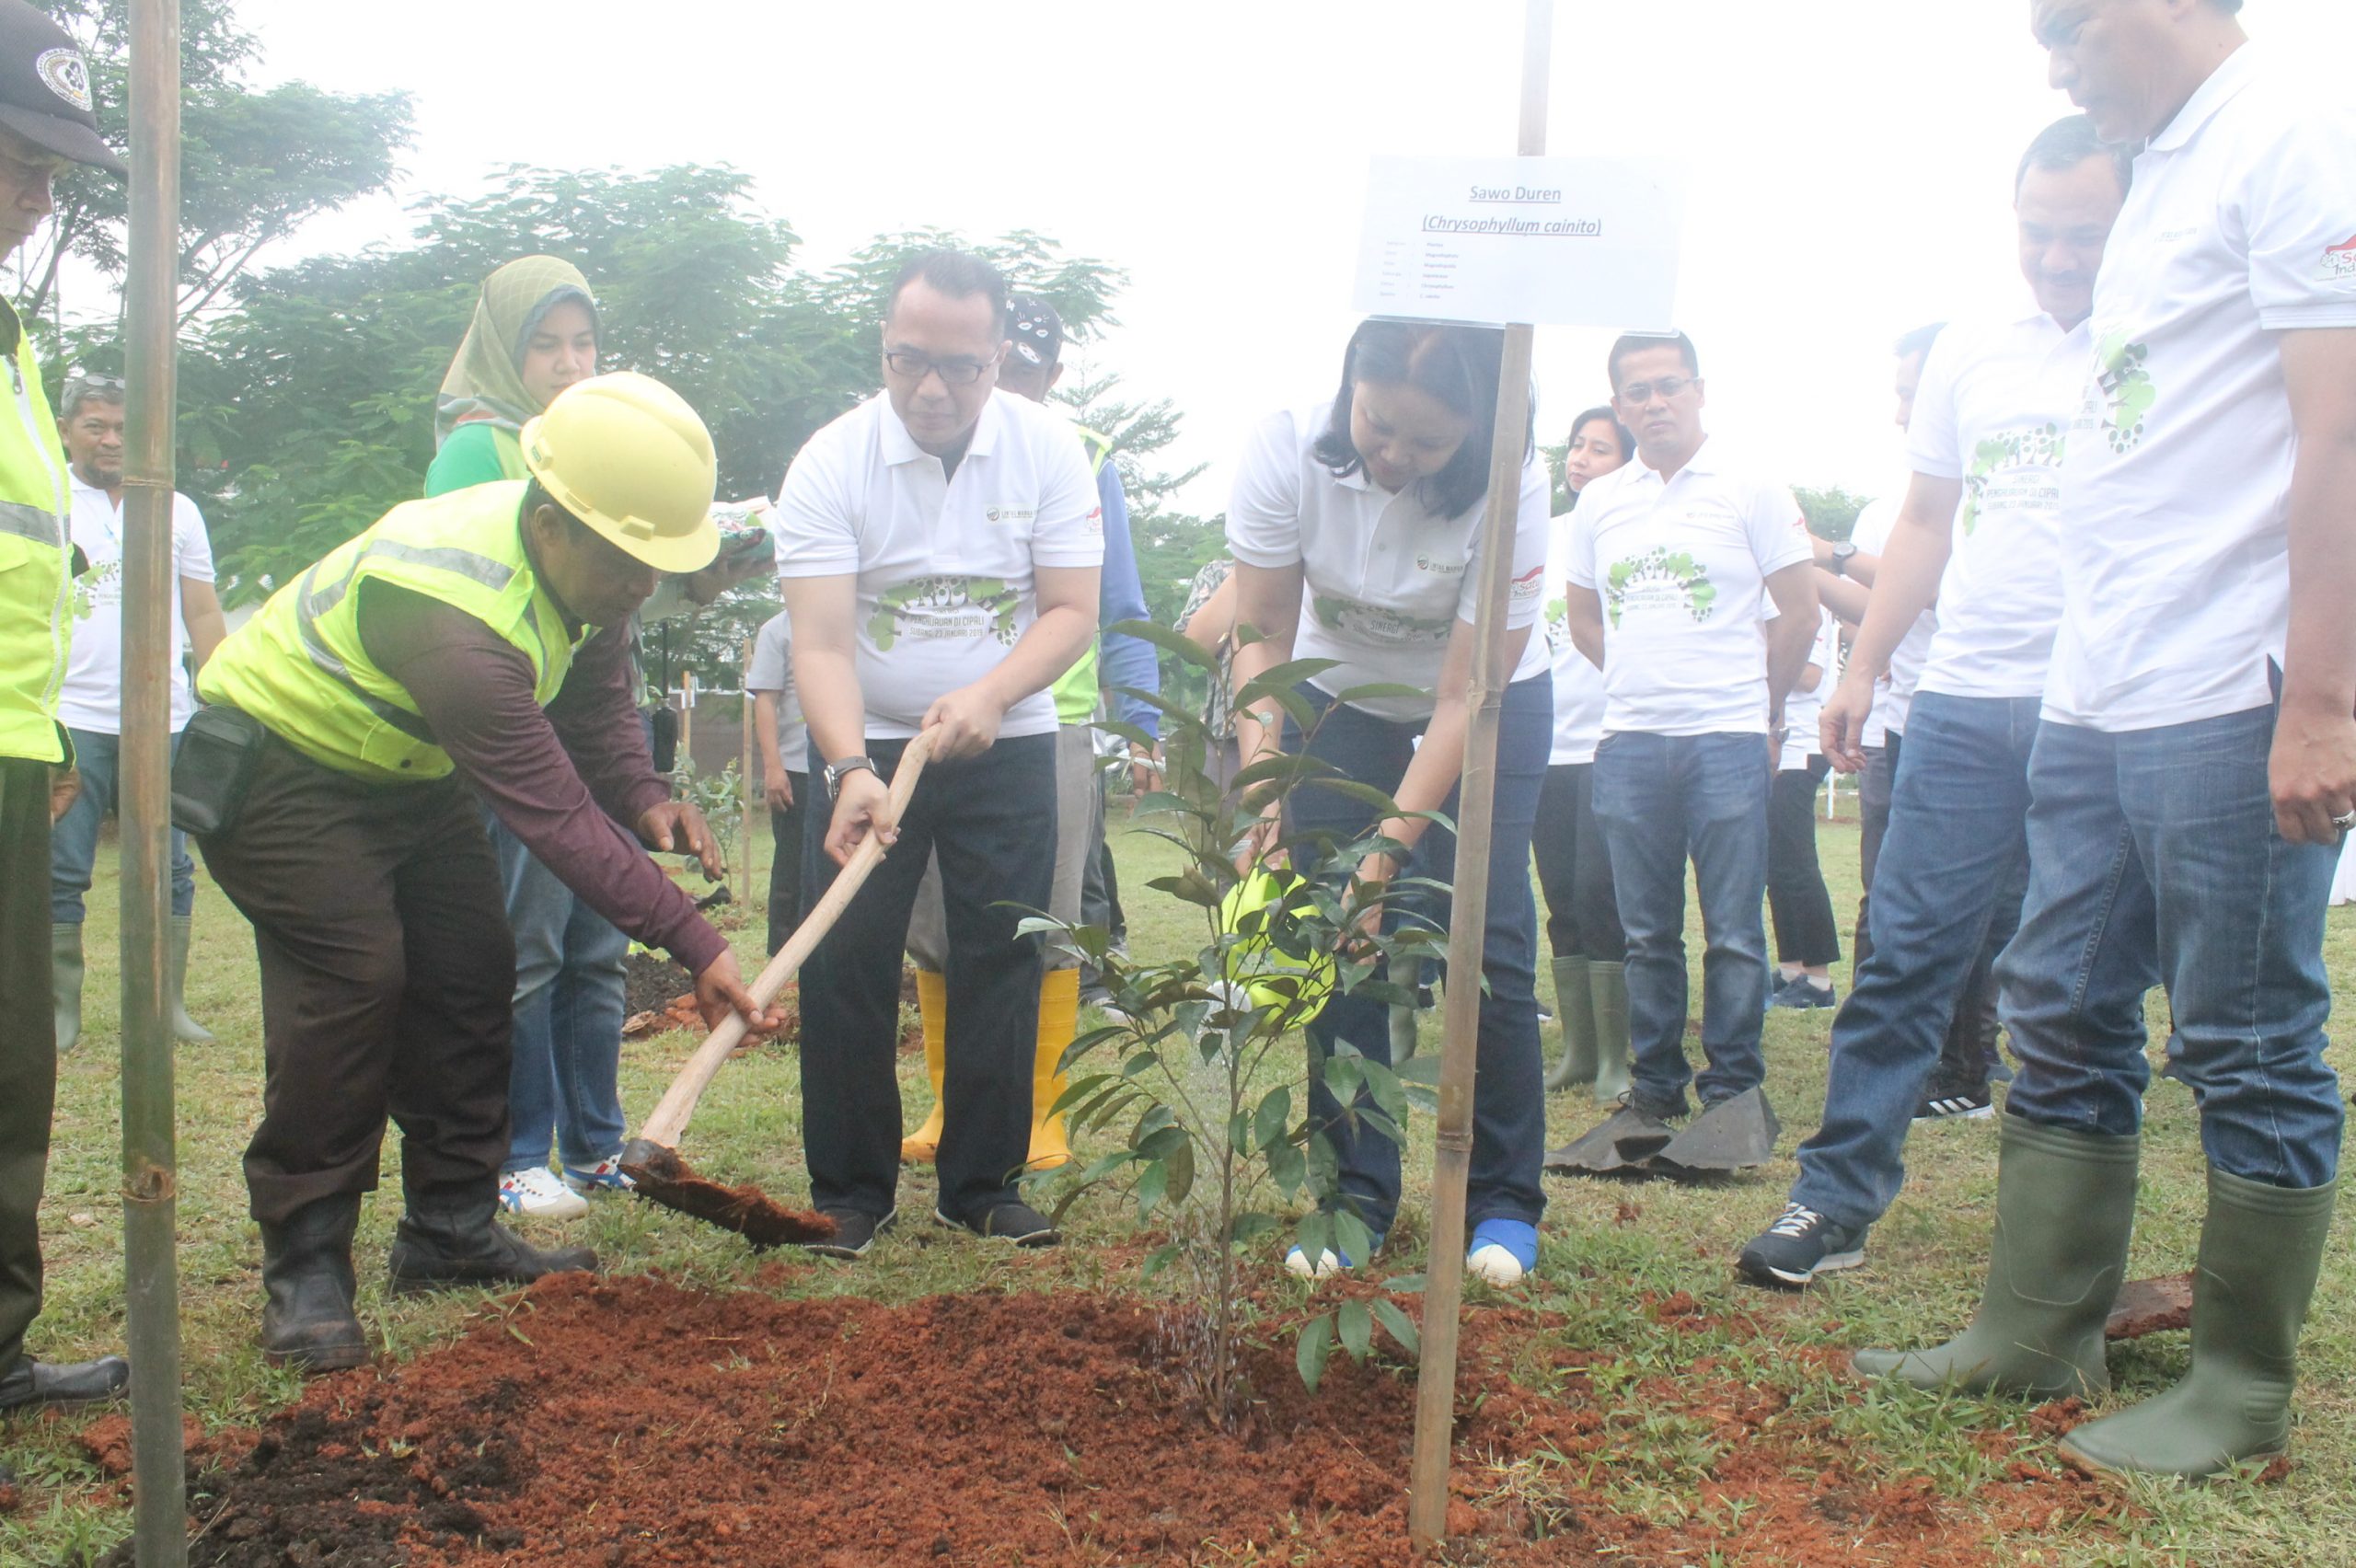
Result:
pixel 2195 767
pixel 1979 532
pixel 90 702
pixel 1677 560
pixel 940 549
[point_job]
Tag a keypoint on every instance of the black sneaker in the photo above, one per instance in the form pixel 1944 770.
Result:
pixel 1015 1222
pixel 1947 1103
pixel 1799 1246
pixel 855 1232
pixel 1804 995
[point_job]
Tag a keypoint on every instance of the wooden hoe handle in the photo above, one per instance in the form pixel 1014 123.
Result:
pixel 670 1118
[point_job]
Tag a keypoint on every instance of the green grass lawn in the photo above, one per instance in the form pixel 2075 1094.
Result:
pixel 1607 1247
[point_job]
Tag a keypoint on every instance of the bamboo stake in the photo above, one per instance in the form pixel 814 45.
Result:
pixel 1468 929
pixel 160 1527
pixel 744 777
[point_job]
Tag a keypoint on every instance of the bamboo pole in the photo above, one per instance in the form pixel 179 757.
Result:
pixel 744 778
pixel 1468 925
pixel 159 1526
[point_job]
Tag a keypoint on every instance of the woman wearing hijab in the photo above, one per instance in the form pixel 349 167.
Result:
pixel 534 334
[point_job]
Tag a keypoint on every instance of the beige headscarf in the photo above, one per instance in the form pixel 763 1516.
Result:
pixel 483 383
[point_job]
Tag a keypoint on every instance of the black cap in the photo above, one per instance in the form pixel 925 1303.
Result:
pixel 1036 329
pixel 45 89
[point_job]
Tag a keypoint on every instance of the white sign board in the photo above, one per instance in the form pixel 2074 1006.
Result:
pixel 1557 242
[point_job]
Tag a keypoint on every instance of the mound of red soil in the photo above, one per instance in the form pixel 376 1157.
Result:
pixel 597 1423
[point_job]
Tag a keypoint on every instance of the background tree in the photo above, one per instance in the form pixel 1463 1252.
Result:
pixel 255 163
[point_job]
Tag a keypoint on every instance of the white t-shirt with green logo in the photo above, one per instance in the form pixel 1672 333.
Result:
pixel 1579 685
pixel 2175 490
pixel 1384 580
pixel 944 563
pixel 1681 568
pixel 1994 410
pixel 91 697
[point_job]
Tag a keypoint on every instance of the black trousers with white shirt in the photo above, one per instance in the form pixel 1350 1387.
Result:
pixel 992 821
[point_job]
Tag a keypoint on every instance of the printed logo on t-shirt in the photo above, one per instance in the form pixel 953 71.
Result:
pixel 1527 587
pixel 2339 262
pixel 1377 624
pixel 1011 514
pixel 2014 470
pixel 1439 568
pixel 1660 582
pixel 928 609
pixel 102 584
pixel 2120 395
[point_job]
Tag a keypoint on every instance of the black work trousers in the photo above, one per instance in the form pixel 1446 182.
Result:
pixel 1804 929
pixel 992 821
pixel 388 983
pixel 27 1044
pixel 1574 869
pixel 785 869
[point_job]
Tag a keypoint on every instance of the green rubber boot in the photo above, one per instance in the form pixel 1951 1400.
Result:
pixel 185 1029
pixel 1575 1016
pixel 2065 1206
pixel 2261 1247
pixel 65 981
pixel 1607 986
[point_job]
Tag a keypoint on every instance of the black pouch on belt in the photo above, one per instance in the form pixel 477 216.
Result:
pixel 215 769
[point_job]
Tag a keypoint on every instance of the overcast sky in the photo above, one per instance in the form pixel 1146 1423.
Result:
pixel 1848 162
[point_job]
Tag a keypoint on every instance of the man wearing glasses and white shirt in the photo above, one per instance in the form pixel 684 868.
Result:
pixel 1682 552
pixel 939 547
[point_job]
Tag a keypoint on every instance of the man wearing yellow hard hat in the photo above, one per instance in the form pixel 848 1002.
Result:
pixel 468 646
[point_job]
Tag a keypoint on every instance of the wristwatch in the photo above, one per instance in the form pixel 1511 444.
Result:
pixel 837 771
pixel 1840 554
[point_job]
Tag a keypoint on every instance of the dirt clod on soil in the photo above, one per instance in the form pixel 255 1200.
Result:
pixel 598 1421
pixel 667 1180
pixel 653 981
pixel 2150 1307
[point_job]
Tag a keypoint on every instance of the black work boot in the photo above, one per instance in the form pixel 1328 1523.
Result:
pixel 308 1321
pixel 447 1241
pixel 31 1382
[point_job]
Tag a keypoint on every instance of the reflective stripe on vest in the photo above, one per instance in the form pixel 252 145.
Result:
pixel 36 588
pixel 300 666
pixel 1076 691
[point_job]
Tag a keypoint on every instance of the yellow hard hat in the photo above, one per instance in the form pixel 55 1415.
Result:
pixel 1255 954
pixel 625 453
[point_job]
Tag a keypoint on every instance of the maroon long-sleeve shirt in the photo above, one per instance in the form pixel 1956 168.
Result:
pixel 571 780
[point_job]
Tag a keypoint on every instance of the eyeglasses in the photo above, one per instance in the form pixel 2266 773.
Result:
pixel 952 372
pixel 1636 393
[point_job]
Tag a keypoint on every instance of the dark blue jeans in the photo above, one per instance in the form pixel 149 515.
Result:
pixel 1662 797
pixel 1947 885
pixel 1509 1089
pixel 74 842
pixel 572 978
pixel 2154 859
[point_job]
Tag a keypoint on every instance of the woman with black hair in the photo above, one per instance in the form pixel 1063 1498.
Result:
pixel 1356 530
pixel 1574 870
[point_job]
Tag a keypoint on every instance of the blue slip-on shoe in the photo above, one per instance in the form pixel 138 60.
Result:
pixel 1504 1251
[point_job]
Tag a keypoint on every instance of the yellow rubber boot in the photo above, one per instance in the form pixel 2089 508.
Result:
pixel 1059 1024
pixel 932 1012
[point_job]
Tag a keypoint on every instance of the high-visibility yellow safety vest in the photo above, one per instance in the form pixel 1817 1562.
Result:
pixel 36 550
pixel 300 668
pixel 1076 693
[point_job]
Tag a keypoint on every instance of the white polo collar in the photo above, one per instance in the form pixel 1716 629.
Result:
pixel 2225 83
pixel 898 446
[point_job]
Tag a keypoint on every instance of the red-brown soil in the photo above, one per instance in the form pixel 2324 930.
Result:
pixel 597 1423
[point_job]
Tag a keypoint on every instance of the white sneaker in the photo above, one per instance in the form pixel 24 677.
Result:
pixel 605 1176
pixel 540 1194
